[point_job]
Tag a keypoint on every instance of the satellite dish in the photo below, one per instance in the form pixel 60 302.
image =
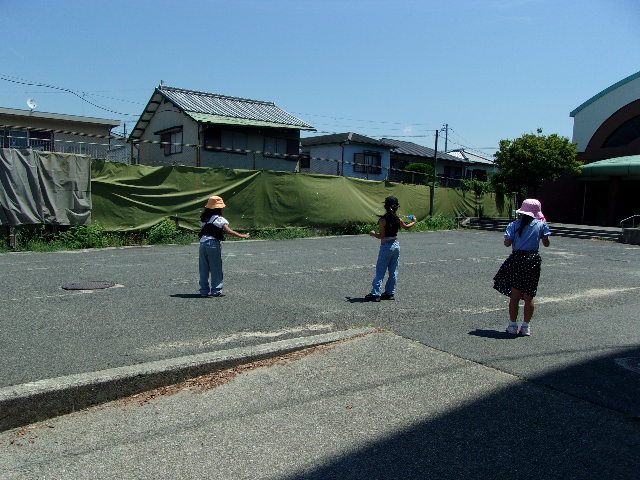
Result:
pixel 31 103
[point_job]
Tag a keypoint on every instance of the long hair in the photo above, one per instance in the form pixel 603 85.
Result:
pixel 391 205
pixel 208 213
pixel 525 220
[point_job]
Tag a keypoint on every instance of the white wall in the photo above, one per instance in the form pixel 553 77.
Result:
pixel 589 119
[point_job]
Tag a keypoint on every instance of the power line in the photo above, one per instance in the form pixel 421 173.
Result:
pixel 80 94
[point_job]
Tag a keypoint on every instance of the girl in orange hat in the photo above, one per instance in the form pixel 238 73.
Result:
pixel 214 226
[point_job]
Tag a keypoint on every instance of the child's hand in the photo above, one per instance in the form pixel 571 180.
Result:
pixel 412 218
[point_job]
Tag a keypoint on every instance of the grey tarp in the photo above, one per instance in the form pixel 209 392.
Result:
pixel 44 188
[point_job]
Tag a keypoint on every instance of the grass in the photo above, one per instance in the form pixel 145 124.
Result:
pixel 40 238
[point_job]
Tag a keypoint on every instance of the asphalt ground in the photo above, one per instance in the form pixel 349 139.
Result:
pixel 374 407
pixel 585 337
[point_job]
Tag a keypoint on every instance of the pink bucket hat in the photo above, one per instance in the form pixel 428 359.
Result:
pixel 531 207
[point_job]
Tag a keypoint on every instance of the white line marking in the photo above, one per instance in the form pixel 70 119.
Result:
pixel 592 293
pixel 161 347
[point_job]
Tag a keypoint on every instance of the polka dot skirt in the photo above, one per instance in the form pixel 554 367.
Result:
pixel 520 270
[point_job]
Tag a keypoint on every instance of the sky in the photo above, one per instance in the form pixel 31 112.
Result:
pixel 476 71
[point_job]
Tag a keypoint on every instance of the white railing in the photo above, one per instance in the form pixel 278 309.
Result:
pixel 633 219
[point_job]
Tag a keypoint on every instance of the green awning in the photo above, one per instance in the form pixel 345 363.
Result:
pixel 613 167
pixel 245 122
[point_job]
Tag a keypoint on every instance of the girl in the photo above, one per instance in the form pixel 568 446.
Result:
pixel 214 227
pixel 519 275
pixel 389 253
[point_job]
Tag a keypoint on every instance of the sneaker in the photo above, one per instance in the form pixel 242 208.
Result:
pixel 525 331
pixel 218 294
pixel 387 296
pixel 512 329
pixel 372 298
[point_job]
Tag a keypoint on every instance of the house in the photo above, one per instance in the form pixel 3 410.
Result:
pixel 186 127
pixel 348 154
pixel 449 168
pixel 57 132
pixel 480 167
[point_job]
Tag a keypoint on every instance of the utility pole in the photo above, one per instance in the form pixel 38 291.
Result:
pixel 433 185
pixel 446 137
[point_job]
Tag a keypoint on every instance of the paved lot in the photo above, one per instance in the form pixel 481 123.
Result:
pixel 378 407
pixel 585 330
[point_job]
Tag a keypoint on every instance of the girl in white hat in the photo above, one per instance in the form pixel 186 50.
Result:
pixel 519 275
pixel 214 226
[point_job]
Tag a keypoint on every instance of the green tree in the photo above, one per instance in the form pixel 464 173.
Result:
pixel 532 160
pixel 422 173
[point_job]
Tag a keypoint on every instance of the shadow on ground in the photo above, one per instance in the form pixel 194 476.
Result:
pixel 529 431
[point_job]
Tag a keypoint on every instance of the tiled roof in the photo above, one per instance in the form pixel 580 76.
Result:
pixel 338 138
pixel 409 148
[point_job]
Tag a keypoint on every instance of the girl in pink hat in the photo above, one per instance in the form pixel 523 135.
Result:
pixel 519 275
pixel 214 226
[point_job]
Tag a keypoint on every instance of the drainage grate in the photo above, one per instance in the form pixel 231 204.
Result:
pixel 88 285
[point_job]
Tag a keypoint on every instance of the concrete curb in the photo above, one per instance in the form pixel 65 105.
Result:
pixel 32 402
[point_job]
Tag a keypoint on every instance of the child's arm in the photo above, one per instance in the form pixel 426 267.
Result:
pixel 545 241
pixel 382 223
pixel 407 226
pixel 230 231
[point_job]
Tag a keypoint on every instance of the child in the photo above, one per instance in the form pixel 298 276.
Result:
pixel 519 275
pixel 214 227
pixel 389 254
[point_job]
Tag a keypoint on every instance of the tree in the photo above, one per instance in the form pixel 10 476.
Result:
pixel 423 173
pixel 532 160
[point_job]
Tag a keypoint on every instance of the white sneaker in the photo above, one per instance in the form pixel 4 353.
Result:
pixel 525 331
pixel 512 329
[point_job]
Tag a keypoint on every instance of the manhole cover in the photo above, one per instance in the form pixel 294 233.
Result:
pixel 88 285
pixel 631 363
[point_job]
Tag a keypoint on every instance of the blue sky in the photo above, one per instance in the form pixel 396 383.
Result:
pixel 491 69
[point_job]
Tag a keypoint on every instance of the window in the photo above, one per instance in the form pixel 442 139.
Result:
pixel 281 146
pixel 368 162
pixel 305 160
pixel 214 138
pixel 624 134
pixel 35 139
pixel 171 141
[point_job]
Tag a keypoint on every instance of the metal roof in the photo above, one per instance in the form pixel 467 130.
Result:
pixel 220 120
pixel 471 157
pixel 409 148
pixel 58 116
pixel 210 107
pixel 630 78
pixel 338 138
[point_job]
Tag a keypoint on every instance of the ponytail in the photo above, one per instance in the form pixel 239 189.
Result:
pixel 525 220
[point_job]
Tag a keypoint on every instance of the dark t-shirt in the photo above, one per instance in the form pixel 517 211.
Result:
pixel 392 225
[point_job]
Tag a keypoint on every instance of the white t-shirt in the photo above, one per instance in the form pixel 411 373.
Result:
pixel 218 221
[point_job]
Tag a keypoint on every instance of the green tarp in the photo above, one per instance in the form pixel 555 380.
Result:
pixel 132 197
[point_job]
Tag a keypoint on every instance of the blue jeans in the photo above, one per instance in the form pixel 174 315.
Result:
pixel 210 265
pixel 388 259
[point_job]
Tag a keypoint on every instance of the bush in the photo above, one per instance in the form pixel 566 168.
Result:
pixel 164 232
pixel 83 236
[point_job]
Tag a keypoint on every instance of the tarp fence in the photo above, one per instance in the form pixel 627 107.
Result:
pixel 132 197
